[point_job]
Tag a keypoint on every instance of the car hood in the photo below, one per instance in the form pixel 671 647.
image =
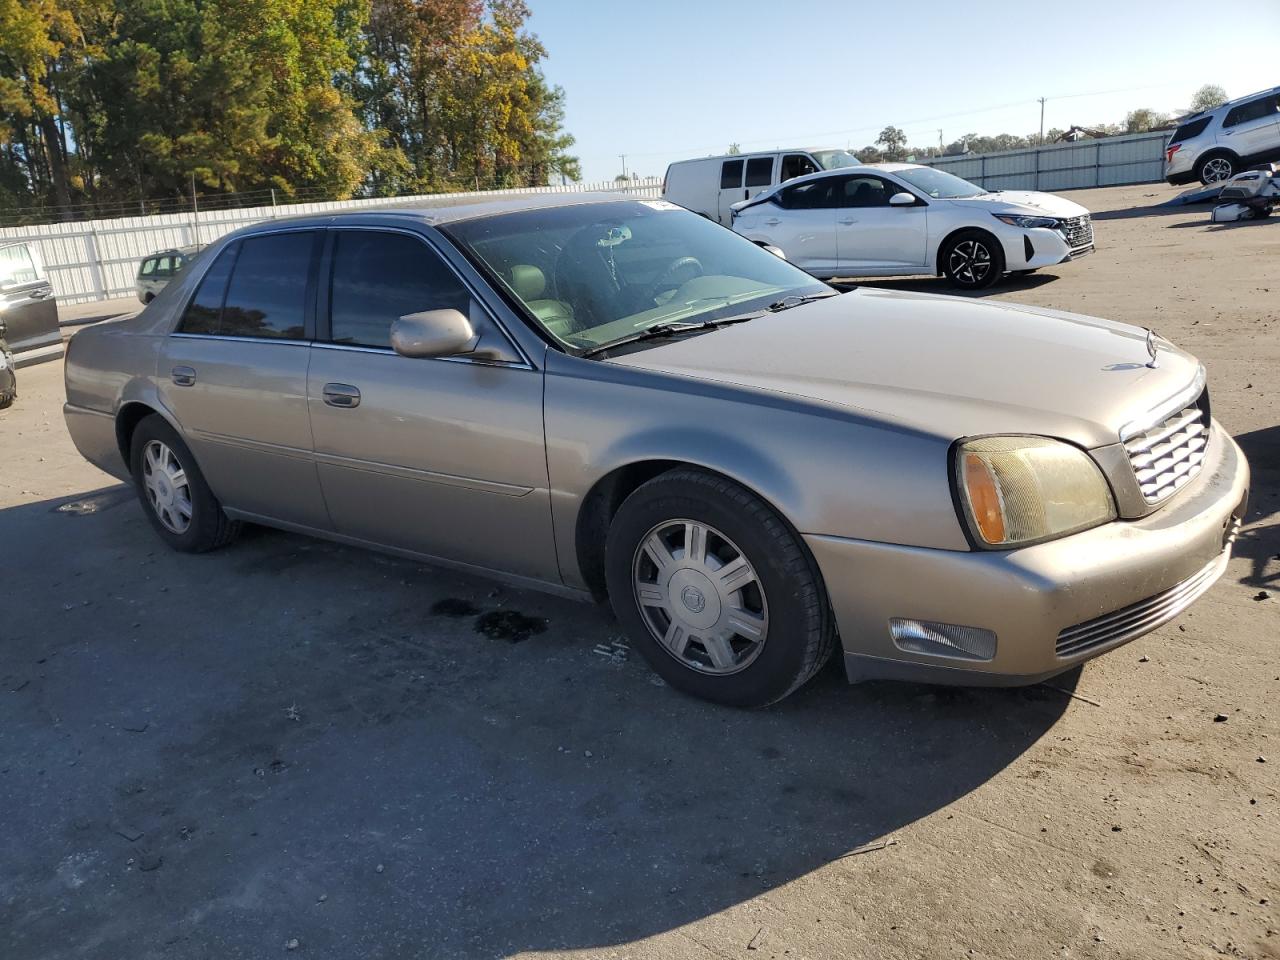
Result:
pixel 1025 202
pixel 946 366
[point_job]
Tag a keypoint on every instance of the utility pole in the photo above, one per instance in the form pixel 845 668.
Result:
pixel 941 148
pixel 1042 100
pixel 623 158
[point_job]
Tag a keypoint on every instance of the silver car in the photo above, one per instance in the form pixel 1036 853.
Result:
pixel 616 398
pixel 1214 146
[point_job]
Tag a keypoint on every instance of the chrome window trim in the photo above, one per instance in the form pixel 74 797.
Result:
pixel 290 341
pixel 1183 398
pixel 434 246
pixel 387 351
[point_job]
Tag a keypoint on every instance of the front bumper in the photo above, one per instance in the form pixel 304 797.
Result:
pixel 1051 606
pixel 1031 249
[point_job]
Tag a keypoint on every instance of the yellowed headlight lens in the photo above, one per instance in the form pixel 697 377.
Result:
pixel 1019 490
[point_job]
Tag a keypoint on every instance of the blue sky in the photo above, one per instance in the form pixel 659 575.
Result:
pixel 664 80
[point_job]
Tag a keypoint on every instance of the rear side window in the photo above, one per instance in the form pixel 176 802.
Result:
pixel 759 171
pixel 16 265
pixel 1253 110
pixel 267 295
pixel 814 195
pixel 379 277
pixel 206 306
pixel 731 174
pixel 1189 130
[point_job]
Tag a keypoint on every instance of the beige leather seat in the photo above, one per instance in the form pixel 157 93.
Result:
pixel 530 283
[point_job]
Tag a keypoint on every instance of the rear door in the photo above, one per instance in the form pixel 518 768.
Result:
pixel 1252 129
pixel 802 223
pixel 438 456
pixel 872 236
pixel 234 374
pixel 28 309
pixel 742 178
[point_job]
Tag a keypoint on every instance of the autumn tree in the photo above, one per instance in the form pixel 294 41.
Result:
pixel 1207 97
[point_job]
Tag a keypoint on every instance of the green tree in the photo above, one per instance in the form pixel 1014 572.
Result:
pixel 1144 119
pixel 1207 97
pixel 893 143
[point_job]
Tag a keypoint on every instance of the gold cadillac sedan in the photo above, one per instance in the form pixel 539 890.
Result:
pixel 618 399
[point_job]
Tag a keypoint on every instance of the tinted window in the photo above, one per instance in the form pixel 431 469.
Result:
pixel 759 171
pixel 866 192
pixel 267 294
pixel 796 165
pixel 206 306
pixel 1189 130
pixel 731 174
pixel 378 277
pixel 16 266
pixel 814 195
pixel 1262 107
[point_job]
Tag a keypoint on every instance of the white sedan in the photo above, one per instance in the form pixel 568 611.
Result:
pixel 902 219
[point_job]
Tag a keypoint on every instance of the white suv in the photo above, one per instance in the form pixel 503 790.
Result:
pixel 1216 145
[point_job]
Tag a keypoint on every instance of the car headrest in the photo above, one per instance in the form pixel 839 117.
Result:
pixel 528 281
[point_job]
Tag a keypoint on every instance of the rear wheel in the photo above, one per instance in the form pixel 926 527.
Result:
pixel 716 591
pixel 173 491
pixel 972 260
pixel 1216 167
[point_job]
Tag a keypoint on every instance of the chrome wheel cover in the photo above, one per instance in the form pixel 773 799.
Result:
pixel 167 487
pixel 970 262
pixel 700 597
pixel 1217 170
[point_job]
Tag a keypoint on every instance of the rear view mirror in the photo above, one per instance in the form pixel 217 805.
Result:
pixel 902 199
pixel 433 333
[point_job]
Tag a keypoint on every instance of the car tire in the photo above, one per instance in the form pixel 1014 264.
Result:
pixel 1216 167
pixel 6 400
pixel 972 260
pixel 746 643
pixel 173 491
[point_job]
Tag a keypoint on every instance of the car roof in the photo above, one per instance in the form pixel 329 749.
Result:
pixel 457 209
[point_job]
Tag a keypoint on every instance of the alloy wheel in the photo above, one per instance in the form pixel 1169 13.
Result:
pixel 168 489
pixel 1217 170
pixel 700 597
pixel 970 262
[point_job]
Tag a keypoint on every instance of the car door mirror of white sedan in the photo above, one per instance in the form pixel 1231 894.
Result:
pixel 433 333
pixel 902 199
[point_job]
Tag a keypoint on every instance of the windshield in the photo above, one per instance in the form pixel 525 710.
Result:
pixel 834 159
pixel 593 274
pixel 938 184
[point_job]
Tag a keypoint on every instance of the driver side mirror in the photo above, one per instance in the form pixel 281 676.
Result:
pixel 433 333
pixel 902 199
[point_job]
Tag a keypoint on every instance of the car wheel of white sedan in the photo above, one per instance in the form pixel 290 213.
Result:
pixel 717 592
pixel 173 491
pixel 972 260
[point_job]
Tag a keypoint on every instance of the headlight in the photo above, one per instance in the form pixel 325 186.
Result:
pixel 1027 223
pixel 1021 490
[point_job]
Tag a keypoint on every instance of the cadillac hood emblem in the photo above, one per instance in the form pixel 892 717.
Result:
pixel 1151 348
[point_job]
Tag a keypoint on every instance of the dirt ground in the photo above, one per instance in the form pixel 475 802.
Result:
pixel 289 746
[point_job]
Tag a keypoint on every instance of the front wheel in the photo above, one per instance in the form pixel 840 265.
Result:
pixel 173 491
pixel 716 591
pixel 972 260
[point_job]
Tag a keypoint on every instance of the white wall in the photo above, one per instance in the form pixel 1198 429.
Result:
pixel 98 259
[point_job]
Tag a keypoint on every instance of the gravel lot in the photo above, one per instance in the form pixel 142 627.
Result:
pixel 292 746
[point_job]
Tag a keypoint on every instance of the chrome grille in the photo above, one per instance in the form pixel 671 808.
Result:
pixel 1170 453
pixel 1142 617
pixel 1078 231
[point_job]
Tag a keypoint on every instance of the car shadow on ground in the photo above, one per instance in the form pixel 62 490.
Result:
pixel 940 285
pixel 213 755
pixel 1158 210
pixel 1259 541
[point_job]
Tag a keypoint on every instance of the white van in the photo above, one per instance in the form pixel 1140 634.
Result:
pixel 711 185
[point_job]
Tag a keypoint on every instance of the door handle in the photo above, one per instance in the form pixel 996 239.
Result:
pixel 341 395
pixel 773 221
pixel 184 376
pixel 848 220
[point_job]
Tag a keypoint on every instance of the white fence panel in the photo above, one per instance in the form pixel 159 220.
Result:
pixel 1134 158
pixel 98 259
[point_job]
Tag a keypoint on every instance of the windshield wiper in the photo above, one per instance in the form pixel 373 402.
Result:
pixel 658 331
pixel 795 300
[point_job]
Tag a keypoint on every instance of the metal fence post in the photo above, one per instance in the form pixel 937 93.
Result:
pixel 94 259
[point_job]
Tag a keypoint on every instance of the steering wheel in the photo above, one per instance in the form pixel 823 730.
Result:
pixel 667 277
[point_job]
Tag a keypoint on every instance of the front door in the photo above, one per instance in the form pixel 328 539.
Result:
pixel 234 375
pixel 444 457
pixel 873 236
pixel 28 310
